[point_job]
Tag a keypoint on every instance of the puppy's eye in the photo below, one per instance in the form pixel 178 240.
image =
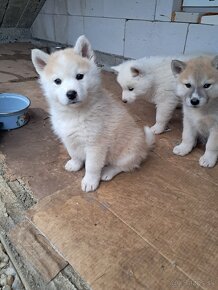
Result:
pixel 58 81
pixel 188 85
pixel 206 86
pixel 130 89
pixel 79 76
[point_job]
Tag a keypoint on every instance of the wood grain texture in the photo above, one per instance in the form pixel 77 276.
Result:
pixel 154 228
pixel 36 250
pixel 110 252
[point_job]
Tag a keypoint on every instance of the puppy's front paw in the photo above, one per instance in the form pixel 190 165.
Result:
pixel 107 175
pixel 109 172
pixel 182 149
pixel 73 165
pixel 157 129
pixel 89 183
pixel 208 160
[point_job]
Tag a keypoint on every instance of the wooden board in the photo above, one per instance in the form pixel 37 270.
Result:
pixel 37 251
pixel 155 228
pixel 125 240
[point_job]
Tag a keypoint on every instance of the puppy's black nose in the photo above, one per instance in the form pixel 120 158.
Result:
pixel 125 101
pixel 71 95
pixel 195 102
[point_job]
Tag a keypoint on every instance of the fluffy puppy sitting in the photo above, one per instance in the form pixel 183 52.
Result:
pixel 197 84
pixel 96 130
pixel 150 77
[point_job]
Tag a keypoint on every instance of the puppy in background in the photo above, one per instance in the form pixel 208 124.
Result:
pixel 197 85
pixel 152 77
pixel 94 127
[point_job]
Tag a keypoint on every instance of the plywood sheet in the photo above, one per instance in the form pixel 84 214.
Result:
pixel 101 247
pixel 174 210
pixel 155 228
pixel 36 249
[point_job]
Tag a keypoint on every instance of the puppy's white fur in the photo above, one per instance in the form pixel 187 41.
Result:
pixel 197 84
pixel 95 128
pixel 151 77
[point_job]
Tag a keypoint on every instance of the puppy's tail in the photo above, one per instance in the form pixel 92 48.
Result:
pixel 150 139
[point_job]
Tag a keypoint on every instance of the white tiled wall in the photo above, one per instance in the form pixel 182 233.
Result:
pixel 154 38
pixel 164 10
pixel 68 28
pixel 139 9
pixel 202 38
pixel 105 34
pixel 74 7
pixel 43 27
pixel 127 28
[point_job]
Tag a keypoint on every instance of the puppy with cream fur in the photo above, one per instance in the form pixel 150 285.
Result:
pixel 150 77
pixel 95 128
pixel 197 85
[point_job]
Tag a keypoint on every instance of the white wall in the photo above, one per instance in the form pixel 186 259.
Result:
pixel 127 28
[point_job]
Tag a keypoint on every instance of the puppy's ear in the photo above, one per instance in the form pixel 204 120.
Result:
pixel 116 68
pixel 177 66
pixel 215 62
pixel 39 59
pixel 83 48
pixel 136 71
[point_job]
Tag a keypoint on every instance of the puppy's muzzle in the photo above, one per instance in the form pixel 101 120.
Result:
pixel 71 94
pixel 195 102
pixel 124 101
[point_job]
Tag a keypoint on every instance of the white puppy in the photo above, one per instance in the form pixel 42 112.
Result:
pixel 153 78
pixel 95 129
pixel 197 84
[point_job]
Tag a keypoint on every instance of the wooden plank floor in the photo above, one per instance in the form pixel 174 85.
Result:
pixel 155 228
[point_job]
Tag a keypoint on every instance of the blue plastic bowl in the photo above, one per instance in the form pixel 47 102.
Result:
pixel 13 111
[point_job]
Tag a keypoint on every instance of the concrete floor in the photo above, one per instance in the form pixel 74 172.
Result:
pixel 155 228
